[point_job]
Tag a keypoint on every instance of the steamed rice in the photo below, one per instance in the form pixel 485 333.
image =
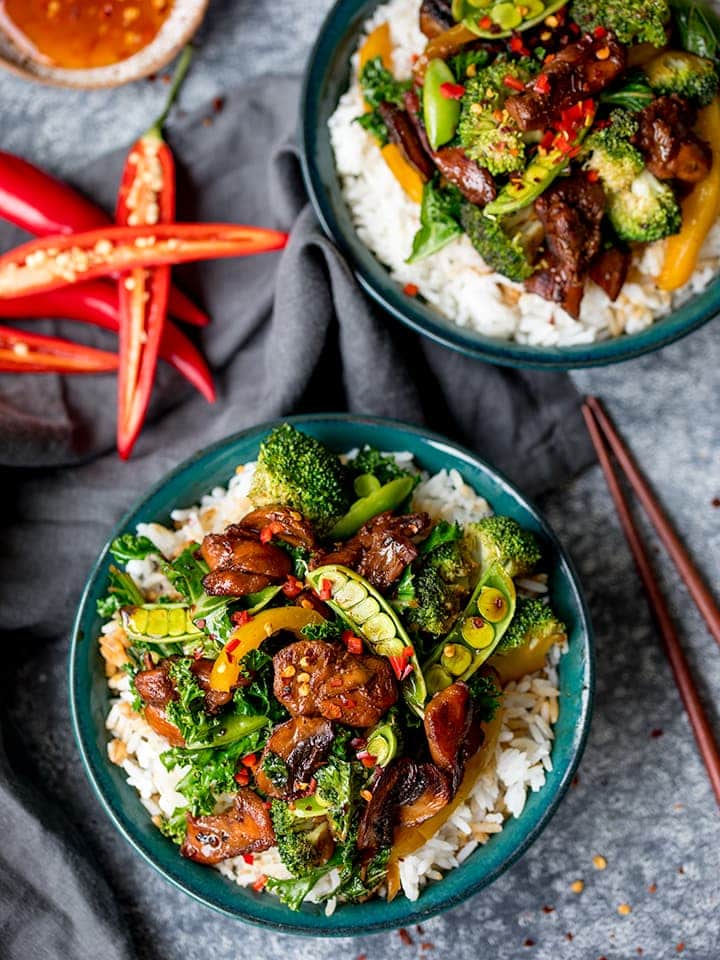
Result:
pixel 530 705
pixel 456 280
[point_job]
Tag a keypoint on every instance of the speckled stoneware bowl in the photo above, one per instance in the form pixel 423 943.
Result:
pixel 327 77
pixel 89 693
pixel 180 26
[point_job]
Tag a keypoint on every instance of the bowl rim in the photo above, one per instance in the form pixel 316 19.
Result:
pixel 425 320
pixel 301 924
pixel 103 78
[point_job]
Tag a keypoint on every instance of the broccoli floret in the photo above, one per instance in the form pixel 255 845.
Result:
pixel 640 208
pixel 486 694
pixel 509 245
pixel 632 21
pixel 502 540
pixel 691 77
pixel 439 585
pixel 486 130
pixel 298 471
pixel 298 838
pixel 338 783
pixel 534 622
pixel 647 211
pixel 379 465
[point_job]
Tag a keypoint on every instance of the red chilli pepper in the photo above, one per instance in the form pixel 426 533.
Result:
pixel 98 253
pixel 248 858
pixel 325 590
pixel 22 352
pixel 542 84
pixel 146 198
pixel 452 91
pixel 242 777
pixel 354 644
pixel 292 587
pixel 259 884
pixel 485 23
pixel 44 206
pixel 399 665
pixel 269 531
pixel 517 46
pixel 96 303
pixel 250 760
pixel 240 618
pixel 513 83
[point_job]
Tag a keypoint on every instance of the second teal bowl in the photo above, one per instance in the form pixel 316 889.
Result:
pixel 327 77
pixel 89 694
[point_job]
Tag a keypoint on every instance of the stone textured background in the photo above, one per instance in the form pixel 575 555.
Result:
pixel 642 799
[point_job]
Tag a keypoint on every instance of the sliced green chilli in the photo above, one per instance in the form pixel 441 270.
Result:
pixel 368 614
pixel 160 623
pixel 476 633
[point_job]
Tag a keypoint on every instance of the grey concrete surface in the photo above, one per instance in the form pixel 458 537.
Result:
pixel 642 799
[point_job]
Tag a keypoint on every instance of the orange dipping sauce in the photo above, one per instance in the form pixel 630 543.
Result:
pixel 80 34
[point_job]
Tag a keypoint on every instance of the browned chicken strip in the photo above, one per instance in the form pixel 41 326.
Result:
pixel 245 828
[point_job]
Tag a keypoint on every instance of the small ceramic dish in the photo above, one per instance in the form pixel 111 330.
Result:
pixel 327 78
pixel 180 26
pixel 89 694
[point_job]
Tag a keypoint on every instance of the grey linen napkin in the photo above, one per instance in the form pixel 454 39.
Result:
pixel 292 332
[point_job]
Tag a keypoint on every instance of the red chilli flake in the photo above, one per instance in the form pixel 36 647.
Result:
pixel 517 46
pixel 242 777
pixel 600 33
pixel 411 290
pixel 250 760
pixel 248 858
pixel 485 23
pixel 405 937
pixel 259 883
pixel 452 91
pixel 513 83
pixel 353 643
pixel 325 589
pixel 240 618
pixel 593 176
pixel 542 84
pixel 292 587
pixel 268 532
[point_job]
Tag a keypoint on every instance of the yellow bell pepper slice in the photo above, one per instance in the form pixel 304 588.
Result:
pixel 699 210
pixel 378 44
pixel 409 839
pixel 525 659
pixel 249 636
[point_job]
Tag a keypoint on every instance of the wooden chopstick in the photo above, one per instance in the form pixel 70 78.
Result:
pixel 697 587
pixel 699 721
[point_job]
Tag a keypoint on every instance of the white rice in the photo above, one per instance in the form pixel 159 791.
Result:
pixel 522 756
pixel 456 280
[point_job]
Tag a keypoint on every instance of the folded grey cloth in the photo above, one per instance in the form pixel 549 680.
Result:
pixel 292 332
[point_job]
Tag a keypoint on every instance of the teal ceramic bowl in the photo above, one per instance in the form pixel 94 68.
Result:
pixel 327 77
pixel 89 693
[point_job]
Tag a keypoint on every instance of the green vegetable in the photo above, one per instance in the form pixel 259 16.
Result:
pixel 505 17
pixel 438 221
pixel 502 540
pixel 640 208
pixel 440 580
pixel 440 113
pixel 384 741
pixel 387 497
pixel 534 622
pixel 258 601
pixel 257 698
pixel 379 86
pixel 509 245
pixel 539 174
pixel 486 130
pixel 298 839
pixel 632 21
pixel 338 787
pixel 479 630
pixel 382 466
pixel 186 573
pixel 327 630
pixel 160 623
pixel 486 695
pixel 685 74
pixel 368 614
pixel 634 94
pixel 293 892
pixel 122 592
pixel 129 547
pixel 365 484
pixel 698 27
pixel 465 63
pixel 298 471
pixel 276 770
pixel 174 827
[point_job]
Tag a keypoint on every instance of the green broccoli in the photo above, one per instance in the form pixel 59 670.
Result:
pixel 299 839
pixel 691 77
pixel 486 694
pixel 439 587
pixel 338 785
pixel 486 130
pixel 379 465
pixel 298 471
pixel 502 540
pixel 640 208
pixel 509 245
pixel 534 622
pixel 632 21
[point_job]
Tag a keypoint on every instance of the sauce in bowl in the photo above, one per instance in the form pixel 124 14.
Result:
pixel 83 34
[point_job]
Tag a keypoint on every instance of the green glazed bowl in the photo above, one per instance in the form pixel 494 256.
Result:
pixel 89 695
pixel 327 77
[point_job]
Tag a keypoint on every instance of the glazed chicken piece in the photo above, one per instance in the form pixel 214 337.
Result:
pixel 156 689
pixel 407 793
pixel 381 549
pixel 609 270
pixel 318 679
pixel 452 733
pixel 403 132
pixel 571 211
pixel 579 71
pixel 672 151
pixel 303 743
pixel 244 828
pixel 240 564
pixel 436 17
pixel 284 523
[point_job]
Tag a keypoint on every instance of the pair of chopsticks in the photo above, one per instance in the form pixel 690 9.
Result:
pixel 608 443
